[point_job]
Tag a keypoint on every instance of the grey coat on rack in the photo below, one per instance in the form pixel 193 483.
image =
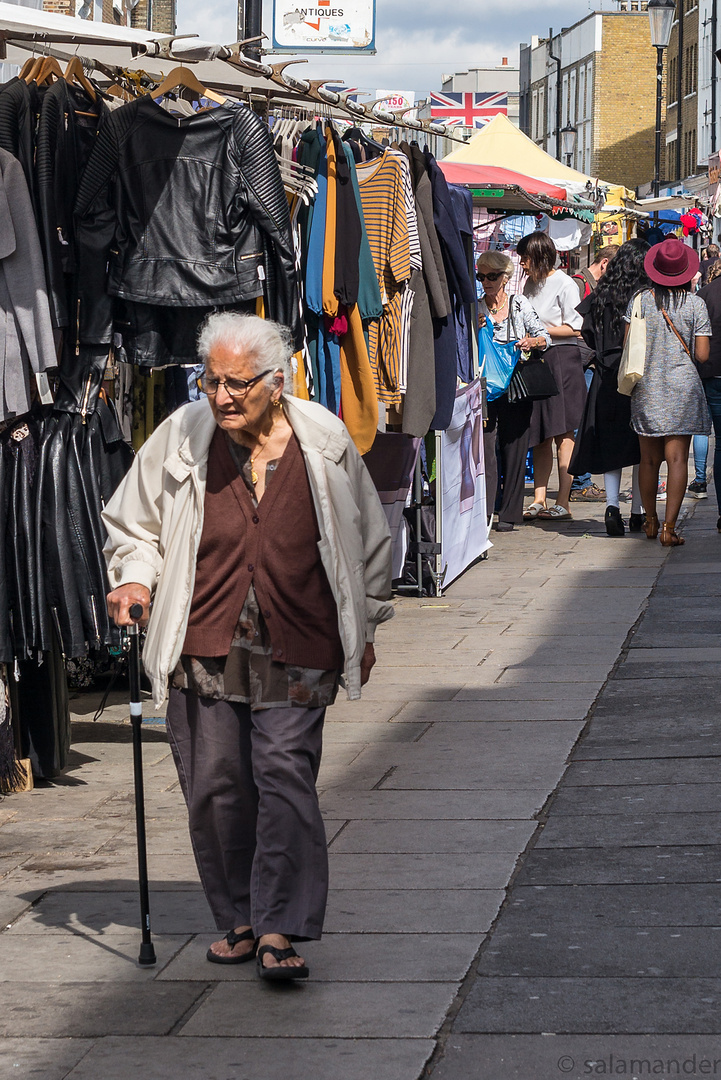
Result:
pixel 26 334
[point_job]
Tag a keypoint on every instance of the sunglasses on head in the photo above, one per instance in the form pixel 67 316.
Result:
pixel 489 277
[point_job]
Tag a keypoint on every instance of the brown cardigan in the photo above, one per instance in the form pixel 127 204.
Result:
pixel 274 546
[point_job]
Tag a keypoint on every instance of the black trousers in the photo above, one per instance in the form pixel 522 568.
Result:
pixel 248 778
pixel 511 424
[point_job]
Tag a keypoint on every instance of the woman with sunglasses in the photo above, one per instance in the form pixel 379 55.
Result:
pixel 252 519
pixel 512 318
pixel 555 297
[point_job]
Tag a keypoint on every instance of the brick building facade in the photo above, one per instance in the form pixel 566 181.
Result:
pixel 682 60
pixel 608 93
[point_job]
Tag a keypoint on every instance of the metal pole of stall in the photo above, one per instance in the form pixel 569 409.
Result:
pixel 147 952
pixel 417 498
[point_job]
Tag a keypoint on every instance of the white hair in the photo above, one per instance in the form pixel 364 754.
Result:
pixel 263 343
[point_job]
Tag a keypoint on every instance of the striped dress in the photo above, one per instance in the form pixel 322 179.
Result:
pixel 381 184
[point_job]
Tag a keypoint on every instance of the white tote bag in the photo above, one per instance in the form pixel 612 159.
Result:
pixel 633 358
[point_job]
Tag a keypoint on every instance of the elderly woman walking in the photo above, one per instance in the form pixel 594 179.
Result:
pixel 252 522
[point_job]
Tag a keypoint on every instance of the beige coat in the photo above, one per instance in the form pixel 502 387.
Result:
pixel 155 520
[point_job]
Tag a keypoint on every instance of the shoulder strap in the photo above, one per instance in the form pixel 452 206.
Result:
pixel 511 324
pixel 669 320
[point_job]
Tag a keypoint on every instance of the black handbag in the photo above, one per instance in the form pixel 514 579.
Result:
pixel 532 380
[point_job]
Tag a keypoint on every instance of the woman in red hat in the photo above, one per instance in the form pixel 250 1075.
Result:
pixel 668 404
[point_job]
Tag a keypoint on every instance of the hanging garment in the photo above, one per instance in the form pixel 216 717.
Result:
pixel 183 212
pixel 384 211
pixel 81 464
pixel 26 337
pixel 370 304
pixel 67 130
pixel 466 312
pixel 433 269
pixel 349 234
pixel 461 290
pixel 20 105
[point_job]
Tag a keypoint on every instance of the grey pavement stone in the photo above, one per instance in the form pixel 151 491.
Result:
pixel 75 957
pixel 548 1057
pixel 86 837
pixel 253 1059
pixel 616 1006
pixel 417 911
pixel 433 836
pixel 585 950
pixel 12 907
pixel 421 871
pixel 661 798
pixel 398 803
pixel 638 772
pixel 102 913
pixel 85 1010
pixel 79 873
pixel 348 958
pixel 644 747
pixel 545 739
pixel 620 865
pixel 638 828
pixel 489 773
pixel 692 656
pixel 641 906
pixel 527 673
pixel 348 1010
pixel 41 1059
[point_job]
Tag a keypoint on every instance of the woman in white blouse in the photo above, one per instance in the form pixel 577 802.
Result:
pixel 555 298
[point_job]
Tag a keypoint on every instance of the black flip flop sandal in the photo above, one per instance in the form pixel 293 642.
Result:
pixel 279 974
pixel 233 939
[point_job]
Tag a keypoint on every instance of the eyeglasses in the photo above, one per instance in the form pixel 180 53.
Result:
pixel 490 277
pixel 234 388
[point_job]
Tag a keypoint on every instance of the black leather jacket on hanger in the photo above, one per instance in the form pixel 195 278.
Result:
pixel 182 212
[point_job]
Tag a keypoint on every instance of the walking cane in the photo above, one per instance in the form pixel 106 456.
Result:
pixel 147 952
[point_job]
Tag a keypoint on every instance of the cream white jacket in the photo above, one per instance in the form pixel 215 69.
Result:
pixel 155 520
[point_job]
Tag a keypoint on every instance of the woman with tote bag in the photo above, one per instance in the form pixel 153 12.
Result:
pixel 668 404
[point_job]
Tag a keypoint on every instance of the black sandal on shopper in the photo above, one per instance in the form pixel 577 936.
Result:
pixel 234 939
pixel 636 522
pixel 279 974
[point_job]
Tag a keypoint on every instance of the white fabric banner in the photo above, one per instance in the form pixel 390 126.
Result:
pixel 464 522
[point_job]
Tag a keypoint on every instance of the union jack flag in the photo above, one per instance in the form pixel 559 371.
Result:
pixel 468 108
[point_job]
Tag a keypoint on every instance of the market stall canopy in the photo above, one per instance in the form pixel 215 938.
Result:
pixel 667 202
pixel 500 143
pixel 491 176
pixel 24 31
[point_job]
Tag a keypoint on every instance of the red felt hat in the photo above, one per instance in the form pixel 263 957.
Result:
pixel 671 263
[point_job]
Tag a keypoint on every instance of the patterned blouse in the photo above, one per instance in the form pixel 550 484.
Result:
pixel 249 674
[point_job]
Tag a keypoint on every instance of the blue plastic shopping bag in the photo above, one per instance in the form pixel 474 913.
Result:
pixel 497 360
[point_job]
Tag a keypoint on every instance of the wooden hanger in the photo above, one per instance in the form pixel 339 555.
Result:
pixel 29 73
pixel 27 67
pixel 49 69
pixel 181 76
pixel 74 74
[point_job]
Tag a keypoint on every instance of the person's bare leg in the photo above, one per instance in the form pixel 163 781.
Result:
pixel 651 458
pixel 542 464
pixel 676 450
pixel 278 941
pixel 564 450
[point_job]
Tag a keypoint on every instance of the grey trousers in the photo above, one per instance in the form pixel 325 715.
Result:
pixel 248 778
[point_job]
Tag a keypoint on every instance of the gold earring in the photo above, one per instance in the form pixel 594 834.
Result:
pixel 278 404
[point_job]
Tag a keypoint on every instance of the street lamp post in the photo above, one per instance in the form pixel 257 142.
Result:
pixel 568 142
pixel 660 15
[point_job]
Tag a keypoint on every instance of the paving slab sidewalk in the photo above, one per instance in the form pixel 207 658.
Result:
pixel 606 958
pixel 432 788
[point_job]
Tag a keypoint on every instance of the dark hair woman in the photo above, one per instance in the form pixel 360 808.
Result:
pixel 606 442
pixel 555 297
pixel 668 404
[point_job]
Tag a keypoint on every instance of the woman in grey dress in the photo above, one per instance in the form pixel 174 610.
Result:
pixel 668 405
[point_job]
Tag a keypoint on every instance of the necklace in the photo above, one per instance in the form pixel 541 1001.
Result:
pixel 257 454
pixel 498 307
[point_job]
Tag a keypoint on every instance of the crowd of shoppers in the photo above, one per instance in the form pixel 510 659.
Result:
pixel 595 428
